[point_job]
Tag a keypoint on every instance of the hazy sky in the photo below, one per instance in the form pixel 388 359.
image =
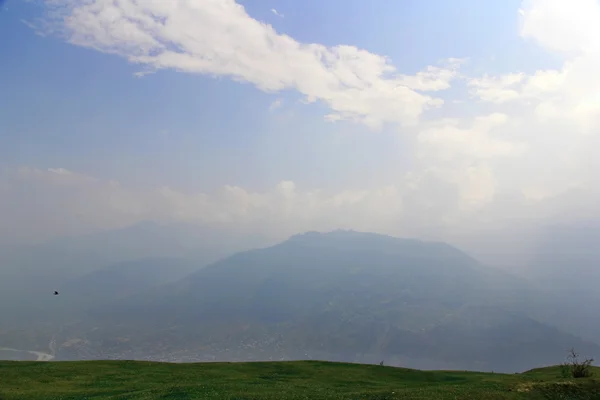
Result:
pixel 404 117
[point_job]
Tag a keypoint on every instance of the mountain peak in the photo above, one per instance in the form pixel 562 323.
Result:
pixel 340 234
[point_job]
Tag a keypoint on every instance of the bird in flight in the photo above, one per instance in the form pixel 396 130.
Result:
pixel 55 293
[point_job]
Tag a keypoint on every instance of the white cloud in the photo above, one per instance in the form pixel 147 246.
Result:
pixel 558 110
pixel 435 202
pixel 496 89
pixel 462 157
pixel 569 29
pixel 274 11
pixel 445 140
pixel 56 202
pixel 540 86
pixel 434 78
pixel 218 37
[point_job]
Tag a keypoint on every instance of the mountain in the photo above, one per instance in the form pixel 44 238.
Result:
pixel 314 268
pixel 65 257
pixel 566 267
pixel 125 279
pixel 29 273
pixel 346 296
pixel 559 261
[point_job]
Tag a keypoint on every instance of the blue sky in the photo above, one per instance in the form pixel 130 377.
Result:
pixel 79 105
pixel 70 107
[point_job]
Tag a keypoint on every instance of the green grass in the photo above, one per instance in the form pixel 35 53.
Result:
pixel 278 380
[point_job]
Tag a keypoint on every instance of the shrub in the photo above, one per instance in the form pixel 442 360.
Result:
pixel 573 367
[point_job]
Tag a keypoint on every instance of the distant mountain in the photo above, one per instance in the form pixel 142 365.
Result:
pixel 29 273
pixel 125 279
pixel 311 268
pixel 561 262
pixel 342 295
pixel 69 256
pixel 566 269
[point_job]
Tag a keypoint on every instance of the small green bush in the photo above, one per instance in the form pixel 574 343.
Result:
pixel 574 368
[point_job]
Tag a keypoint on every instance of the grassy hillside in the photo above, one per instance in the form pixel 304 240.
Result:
pixel 275 380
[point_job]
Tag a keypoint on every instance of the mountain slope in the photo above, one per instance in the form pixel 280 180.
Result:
pixel 64 258
pixel 345 296
pixel 311 272
pixel 125 279
pixel 566 267
pixel 561 263
pixel 29 273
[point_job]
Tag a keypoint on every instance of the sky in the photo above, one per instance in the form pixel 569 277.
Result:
pixel 421 119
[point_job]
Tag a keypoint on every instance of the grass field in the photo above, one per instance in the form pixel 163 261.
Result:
pixel 279 380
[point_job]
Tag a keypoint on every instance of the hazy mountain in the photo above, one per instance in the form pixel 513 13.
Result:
pixel 566 269
pixel 344 295
pixel 561 263
pixel 69 256
pixel 124 279
pixel 29 273
pixel 311 268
